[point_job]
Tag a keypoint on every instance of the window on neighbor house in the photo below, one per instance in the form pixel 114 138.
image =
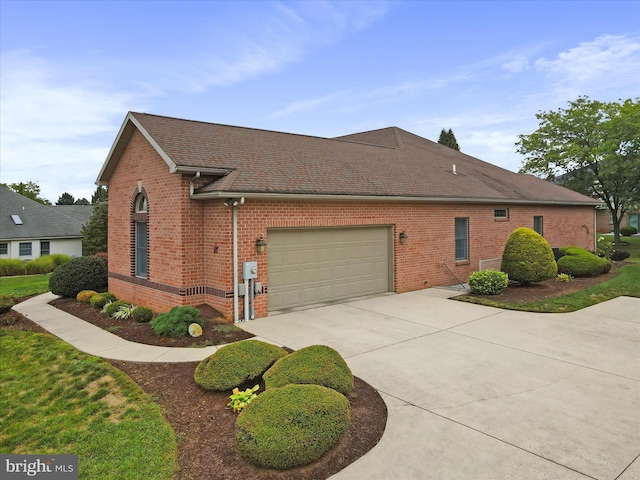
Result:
pixel 537 224
pixel 4 248
pixel 462 239
pixel 24 249
pixel 45 247
pixel 141 236
pixel 501 213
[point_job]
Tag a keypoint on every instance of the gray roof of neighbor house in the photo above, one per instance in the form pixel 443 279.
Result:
pixel 23 218
pixel 82 213
pixel 389 163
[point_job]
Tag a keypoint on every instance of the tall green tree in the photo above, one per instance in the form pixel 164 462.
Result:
pixel 95 233
pixel 591 147
pixel 66 199
pixel 449 139
pixel 82 201
pixel 100 195
pixel 28 189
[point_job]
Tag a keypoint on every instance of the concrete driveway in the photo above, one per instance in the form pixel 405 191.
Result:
pixel 480 393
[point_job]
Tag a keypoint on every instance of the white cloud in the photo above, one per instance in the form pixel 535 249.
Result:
pixel 54 131
pixel 607 62
pixel 517 65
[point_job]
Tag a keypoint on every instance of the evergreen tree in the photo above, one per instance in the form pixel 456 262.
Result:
pixel 66 199
pixel 100 195
pixel 82 201
pixel 449 139
pixel 95 233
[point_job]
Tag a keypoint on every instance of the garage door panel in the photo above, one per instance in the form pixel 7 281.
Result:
pixel 315 266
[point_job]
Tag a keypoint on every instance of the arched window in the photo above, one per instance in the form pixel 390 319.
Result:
pixel 141 237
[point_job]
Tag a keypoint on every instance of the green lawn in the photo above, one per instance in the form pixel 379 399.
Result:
pixel 55 400
pixel 24 286
pixel 627 283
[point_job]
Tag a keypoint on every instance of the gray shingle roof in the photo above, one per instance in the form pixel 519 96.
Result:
pixel 82 213
pixel 389 162
pixel 39 221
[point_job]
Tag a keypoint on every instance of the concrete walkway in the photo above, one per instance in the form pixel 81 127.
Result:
pixel 473 392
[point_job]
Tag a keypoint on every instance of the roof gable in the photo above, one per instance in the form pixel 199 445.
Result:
pixel 38 221
pixel 383 164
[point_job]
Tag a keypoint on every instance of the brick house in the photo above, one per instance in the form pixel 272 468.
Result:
pixel 372 212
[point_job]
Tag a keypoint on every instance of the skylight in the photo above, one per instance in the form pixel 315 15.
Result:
pixel 16 219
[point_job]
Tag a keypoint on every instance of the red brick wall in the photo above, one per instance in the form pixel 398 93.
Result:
pixel 190 242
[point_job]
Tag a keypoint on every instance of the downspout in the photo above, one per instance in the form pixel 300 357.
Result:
pixel 234 206
pixel 191 187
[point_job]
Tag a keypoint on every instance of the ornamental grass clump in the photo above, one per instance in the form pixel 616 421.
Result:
pixel 291 426
pixel 236 363
pixel 111 308
pixel 488 282
pixel 175 322
pixel 528 257
pixel 316 364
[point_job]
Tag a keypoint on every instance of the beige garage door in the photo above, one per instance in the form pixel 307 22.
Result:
pixel 308 266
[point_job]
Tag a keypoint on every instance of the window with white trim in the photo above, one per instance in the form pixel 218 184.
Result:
pixel 24 249
pixel 500 213
pixel 4 248
pixel 537 223
pixel 45 247
pixel 141 234
pixel 462 238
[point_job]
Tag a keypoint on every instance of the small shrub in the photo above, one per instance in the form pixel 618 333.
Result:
pixel 239 399
pixel 82 273
pixel 316 364
pixel 85 296
pixel 563 277
pixel 236 363
pixel 11 267
pixel 110 308
pixel 579 262
pixel 292 426
pixel 6 303
pixel 175 322
pixel 124 312
pixel 99 300
pixel 528 257
pixel 142 314
pixel 628 230
pixel 619 255
pixel 488 282
pixel 604 248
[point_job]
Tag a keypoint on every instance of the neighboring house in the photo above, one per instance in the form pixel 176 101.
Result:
pixel 29 229
pixel 81 213
pixel 379 211
pixel 604 220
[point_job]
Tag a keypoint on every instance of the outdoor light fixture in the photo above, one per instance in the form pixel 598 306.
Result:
pixel 261 245
pixel 403 237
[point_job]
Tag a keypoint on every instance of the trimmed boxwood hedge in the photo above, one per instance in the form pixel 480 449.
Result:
pixel 316 364
pixel 528 257
pixel 488 282
pixel 291 426
pixel 236 363
pixel 82 273
pixel 579 262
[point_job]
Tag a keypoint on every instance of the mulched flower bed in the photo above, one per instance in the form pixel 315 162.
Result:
pixel 204 426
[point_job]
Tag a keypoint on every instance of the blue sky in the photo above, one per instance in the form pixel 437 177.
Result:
pixel 70 71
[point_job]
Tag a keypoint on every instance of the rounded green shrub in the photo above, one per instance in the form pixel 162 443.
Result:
pixel 316 364
pixel 99 300
pixel 85 296
pixel 6 303
pixel 291 426
pixel 619 255
pixel 236 363
pixel 175 322
pixel 488 282
pixel 579 262
pixel 628 230
pixel 112 307
pixel 528 257
pixel 82 273
pixel 142 314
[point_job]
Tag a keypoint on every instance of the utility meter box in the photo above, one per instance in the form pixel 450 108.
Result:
pixel 249 270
